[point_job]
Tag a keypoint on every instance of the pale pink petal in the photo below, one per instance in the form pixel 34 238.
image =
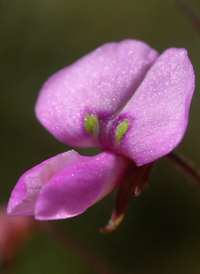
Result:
pixel 158 112
pixel 25 193
pixel 99 83
pixel 81 185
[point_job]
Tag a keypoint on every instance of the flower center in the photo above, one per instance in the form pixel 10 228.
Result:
pixel 106 131
pixel 121 130
pixel 91 123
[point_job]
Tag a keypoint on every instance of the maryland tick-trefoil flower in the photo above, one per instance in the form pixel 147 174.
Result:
pixel 123 98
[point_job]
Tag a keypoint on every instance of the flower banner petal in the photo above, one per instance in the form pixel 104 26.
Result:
pixel 158 112
pixel 101 82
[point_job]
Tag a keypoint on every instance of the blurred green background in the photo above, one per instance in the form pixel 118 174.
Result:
pixel 161 232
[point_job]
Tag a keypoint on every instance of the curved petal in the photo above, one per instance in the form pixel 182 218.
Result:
pixel 158 112
pixel 25 193
pixel 101 82
pixel 81 185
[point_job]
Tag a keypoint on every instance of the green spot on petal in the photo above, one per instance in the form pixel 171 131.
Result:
pixel 91 123
pixel 122 129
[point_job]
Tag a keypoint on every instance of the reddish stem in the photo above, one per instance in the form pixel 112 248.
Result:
pixel 189 13
pixel 186 166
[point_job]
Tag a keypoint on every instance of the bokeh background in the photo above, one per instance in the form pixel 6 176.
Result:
pixel 161 231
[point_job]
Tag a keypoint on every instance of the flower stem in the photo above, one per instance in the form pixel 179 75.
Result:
pixel 186 166
pixel 189 13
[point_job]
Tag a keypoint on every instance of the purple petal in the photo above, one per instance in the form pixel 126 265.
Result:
pixel 159 109
pixel 25 193
pixel 101 82
pixel 81 185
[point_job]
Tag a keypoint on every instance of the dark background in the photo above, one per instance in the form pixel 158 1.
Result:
pixel 161 232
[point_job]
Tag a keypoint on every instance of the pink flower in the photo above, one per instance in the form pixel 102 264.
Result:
pixel 123 98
